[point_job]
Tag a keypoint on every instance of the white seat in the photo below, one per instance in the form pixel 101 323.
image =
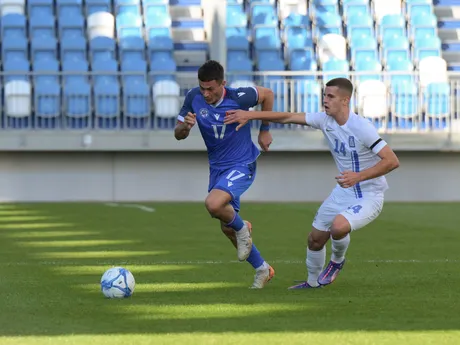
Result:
pixel 166 98
pixel 12 6
pixel 372 99
pixel 101 24
pixel 18 98
pixel 384 7
pixel 332 46
pixel 432 69
pixel 292 6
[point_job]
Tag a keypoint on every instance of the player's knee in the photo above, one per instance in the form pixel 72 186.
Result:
pixel 340 227
pixel 317 241
pixel 213 206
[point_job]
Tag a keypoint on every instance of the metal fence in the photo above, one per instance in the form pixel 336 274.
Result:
pixel 397 101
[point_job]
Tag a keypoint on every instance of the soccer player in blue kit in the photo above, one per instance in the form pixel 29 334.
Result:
pixel 232 155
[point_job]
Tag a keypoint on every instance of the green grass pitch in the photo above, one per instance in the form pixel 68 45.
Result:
pixel 399 286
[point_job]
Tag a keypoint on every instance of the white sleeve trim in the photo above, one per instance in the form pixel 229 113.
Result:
pixel 377 148
pixel 180 118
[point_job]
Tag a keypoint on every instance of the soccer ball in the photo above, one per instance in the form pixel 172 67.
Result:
pixel 117 282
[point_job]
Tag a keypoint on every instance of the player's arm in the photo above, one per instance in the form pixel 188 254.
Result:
pixel 242 117
pixel 185 120
pixel 389 162
pixel 266 99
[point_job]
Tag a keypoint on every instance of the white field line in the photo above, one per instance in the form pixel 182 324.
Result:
pixel 140 207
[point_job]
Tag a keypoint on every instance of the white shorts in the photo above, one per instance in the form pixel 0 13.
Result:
pixel 358 212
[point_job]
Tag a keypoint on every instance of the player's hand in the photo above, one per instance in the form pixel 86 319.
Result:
pixel 348 179
pixel 265 140
pixel 190 120
pixel 237 116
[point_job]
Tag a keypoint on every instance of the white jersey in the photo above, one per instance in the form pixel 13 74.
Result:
pixel 354 146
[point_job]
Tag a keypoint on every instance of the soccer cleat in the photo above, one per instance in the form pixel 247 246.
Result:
pixel 303 285
pixel 330 273
pixel 244 242
pixel 262 277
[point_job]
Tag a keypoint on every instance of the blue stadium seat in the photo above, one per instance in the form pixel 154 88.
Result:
pixel 239 68
pixel 44 48
pixel 304 63
pixel 21 66
pixel 296 20
pixel 353 7
pixel 418 7
pixel 73 48
pixel 14 48
pixel 134 71
pixel 297 38
pixel 106 92
pixel 335 68
pixel 71 26
pixel 129 25
pixel 13 25
pixel 267 43
pixel 38 8
pixel 77 92
pixel 93 6
pixel 309 93
pixel 47 95
pixel 238 19
pixel 392 25
pixel 41 26
pixel 136 94
pixel 237 38
pixel 162 67
pixel 102 48
pixel 263 15
pixel 157 16
pixel 131 48
pixel 69 8
pixel 437 104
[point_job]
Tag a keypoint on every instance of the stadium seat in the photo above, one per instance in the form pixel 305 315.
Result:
pixel 18 103
pixel 39 8
pixel 19 65
pixel 437 104
pixel 43 48
pixel 100 24
pixel 42 27
pixel 129 25
pixel 332 46
pixel 95 6
pixel 309 96
pixel 106 93
pixel 69 8
pixel 394 48
pixel 405 104
pixel 364 48
pixel 426 46
pixel 73 48
pixel 335 68
pixel 76 91
pixel 373 101
pixel 382 8
pixel 12 7
pixel 432 69
pixel 367 66
pixel 47 95
pixel 400 65
pixel 166 98
pixel 102 48
pixel 136 93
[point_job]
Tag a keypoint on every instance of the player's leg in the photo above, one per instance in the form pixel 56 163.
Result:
pixel 355 217
pixel 317 239
pixel 264 272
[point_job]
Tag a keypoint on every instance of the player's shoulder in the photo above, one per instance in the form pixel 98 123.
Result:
pixel 359 123
pixel 238 92
pixel 192 93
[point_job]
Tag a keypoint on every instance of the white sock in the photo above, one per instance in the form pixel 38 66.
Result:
pixel 339 248
pixel 315 263
pixel 264 266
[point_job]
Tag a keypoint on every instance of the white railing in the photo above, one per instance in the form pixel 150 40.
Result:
pixel 96 101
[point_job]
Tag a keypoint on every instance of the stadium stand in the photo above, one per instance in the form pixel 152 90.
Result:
pixel 83 63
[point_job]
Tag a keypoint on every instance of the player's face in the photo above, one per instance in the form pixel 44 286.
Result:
pixel 212 90
pixel 334 100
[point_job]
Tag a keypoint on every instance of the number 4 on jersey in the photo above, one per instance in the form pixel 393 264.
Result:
pixel 230 177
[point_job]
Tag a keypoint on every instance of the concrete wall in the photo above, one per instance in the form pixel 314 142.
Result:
pixel 174 176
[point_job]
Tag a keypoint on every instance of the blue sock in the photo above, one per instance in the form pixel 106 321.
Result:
pixel 237 223
pixel 255 259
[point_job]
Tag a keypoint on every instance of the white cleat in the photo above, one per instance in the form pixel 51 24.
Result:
pixel 244 242
pixel 262 277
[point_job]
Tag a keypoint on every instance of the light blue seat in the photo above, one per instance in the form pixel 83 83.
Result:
pixel 157 15
pixel 419 7
pixel 296 20
pixel 134 71
pixel 437 104
pixel 236 19
pixel 13 25
pixel 428 46
pixel 163 67
pixel 127 6
pixel 360 19
pixel 44 48
pixel 368 66
pixel 351 8
pixel 102 48
pixel 69 8
pixel 93 6
pixel 400 65
pixel 136 95
pixel 335 68
pixel 309 93
pixel 405 104
pixel 237 38
pixel 129 25
pixel 397 47
pixel 364 48
pixel 41 27
pixel 263 15
pixel 355 33
pixel 267 38
pixel 304 63
pixel 47 95
pixel 38 8
pixel 73 48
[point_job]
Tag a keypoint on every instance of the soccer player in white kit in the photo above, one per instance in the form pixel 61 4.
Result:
pixel 362 158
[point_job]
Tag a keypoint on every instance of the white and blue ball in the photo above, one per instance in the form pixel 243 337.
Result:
pixel 117 282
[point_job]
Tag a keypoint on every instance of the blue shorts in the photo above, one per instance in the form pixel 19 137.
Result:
pixel 235 180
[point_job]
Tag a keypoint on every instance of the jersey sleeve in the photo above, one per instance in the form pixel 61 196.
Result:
pixel 368 135
pixel 186 107
pixel 247 97
pixel 315 120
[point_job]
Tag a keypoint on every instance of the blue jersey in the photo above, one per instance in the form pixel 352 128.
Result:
pixel 226 147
